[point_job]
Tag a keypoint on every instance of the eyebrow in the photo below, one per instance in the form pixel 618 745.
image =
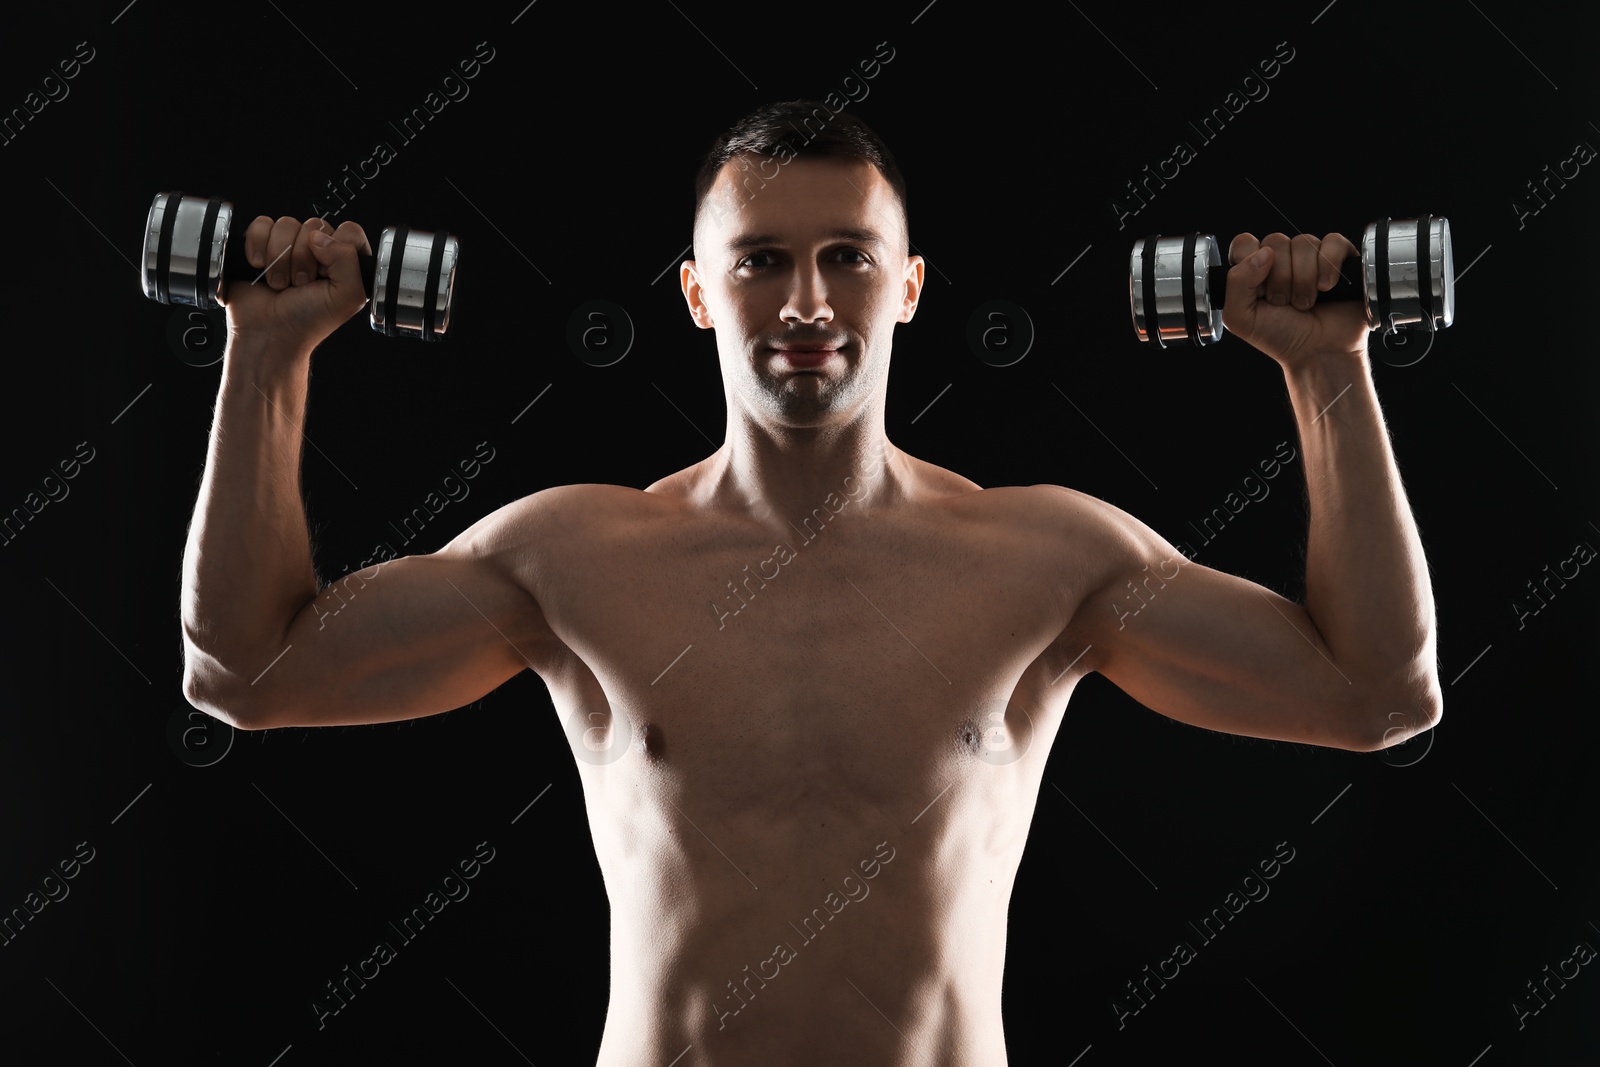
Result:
pixel 745 242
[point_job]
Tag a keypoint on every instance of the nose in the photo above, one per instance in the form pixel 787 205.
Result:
pixel 808 296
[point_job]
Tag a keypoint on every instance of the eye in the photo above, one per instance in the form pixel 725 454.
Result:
pixel 754 261
pixel 854 257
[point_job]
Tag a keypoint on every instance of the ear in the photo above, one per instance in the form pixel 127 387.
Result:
pixel 694 295
pixel 913 288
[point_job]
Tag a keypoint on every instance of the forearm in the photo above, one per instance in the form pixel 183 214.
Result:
pixel 247 568
pixel 1367 585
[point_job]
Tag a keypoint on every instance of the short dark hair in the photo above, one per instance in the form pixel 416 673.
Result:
pixel 797 129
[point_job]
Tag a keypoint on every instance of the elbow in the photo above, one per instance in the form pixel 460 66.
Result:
pixel 1398 717
pixel 223 701
pixel 212 687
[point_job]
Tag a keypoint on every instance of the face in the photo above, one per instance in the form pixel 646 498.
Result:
pixel 803 275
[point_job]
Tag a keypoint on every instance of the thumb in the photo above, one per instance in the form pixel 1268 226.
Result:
pixel 342 268
pixel 1244 278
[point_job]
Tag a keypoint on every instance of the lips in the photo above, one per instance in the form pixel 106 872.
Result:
pixel 805 357
pixel 807 347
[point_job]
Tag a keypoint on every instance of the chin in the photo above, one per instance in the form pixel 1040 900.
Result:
pixel 803 401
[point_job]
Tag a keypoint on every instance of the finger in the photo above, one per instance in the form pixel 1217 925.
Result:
pixel 255 241
pixel 1304 252
pixel 354 234
pixel 1278 281
pixel 1242 248
pixel 1335 250
pixel 303 265
pixel 1245 280
pixel 279 244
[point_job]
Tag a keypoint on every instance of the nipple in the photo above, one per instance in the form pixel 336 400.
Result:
pixel 651 744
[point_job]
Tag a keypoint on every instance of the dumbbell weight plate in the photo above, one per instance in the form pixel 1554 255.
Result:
pixel 1172 276
pixel 413 282
pixel 184 242
pixel 1408 272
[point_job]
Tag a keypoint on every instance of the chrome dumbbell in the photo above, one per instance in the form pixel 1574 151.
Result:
pixel 1405 276
pixel 188 259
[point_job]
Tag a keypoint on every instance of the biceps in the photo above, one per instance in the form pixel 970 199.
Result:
pixel 1223 653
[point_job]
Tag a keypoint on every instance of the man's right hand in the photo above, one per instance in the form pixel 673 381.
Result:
pixel 312 282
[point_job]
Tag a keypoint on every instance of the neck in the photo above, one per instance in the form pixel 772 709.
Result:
pixel 784 475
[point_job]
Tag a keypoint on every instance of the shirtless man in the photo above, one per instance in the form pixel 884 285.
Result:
pixel 829 673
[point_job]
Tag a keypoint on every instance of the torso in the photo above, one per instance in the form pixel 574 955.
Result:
pixel 809 811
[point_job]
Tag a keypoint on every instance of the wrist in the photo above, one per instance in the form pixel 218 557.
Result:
pixel 262 354
pixel 1322 367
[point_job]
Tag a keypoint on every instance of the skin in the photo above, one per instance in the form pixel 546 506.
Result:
pixel 809 774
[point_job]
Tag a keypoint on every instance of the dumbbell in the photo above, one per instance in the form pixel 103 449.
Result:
pixel 1405 276
pixel 188 259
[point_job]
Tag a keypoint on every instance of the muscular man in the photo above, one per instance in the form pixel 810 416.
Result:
pixel 837 669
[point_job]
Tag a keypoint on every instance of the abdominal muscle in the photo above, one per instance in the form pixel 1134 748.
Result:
pixel 817 927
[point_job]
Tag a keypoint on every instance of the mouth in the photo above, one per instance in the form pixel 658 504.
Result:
pixel 805 356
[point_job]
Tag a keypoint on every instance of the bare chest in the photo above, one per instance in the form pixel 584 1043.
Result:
pixel 875 655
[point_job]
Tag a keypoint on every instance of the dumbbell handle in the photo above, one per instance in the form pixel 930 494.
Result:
pixel 191 249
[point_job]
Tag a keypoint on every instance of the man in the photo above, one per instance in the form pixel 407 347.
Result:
pixel 823 676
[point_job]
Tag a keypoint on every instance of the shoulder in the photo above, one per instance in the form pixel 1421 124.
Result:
pixel 557 521
pixel 1054 511
pixel 1079 543
pixel 1056 519
pixel 540 543
pixel 581 507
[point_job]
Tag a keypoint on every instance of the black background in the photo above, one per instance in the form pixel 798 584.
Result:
pixel 1443 878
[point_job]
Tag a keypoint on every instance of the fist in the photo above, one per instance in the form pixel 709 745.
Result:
pixel 1272 296
pixel 306 282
